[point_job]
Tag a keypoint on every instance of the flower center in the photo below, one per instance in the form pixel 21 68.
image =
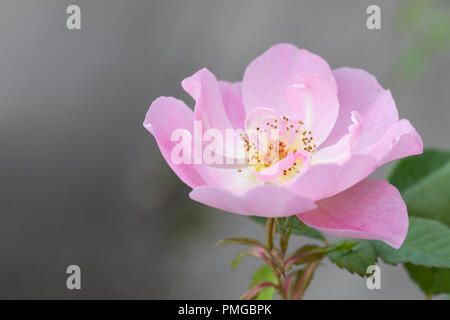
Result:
pixel 275 139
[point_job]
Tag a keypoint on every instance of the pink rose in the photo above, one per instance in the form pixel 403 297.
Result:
pixel 335 128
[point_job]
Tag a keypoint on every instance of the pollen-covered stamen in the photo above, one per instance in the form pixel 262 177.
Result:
pixel 296 168
pixel 273 140
pixel 263 149
pixel 296 136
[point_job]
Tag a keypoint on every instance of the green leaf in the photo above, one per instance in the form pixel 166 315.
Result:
pixel 343 245
pixel 424 182
pixel 306 254
pixel 357 259
pixel 298 228
pixel 309 253
pixel 301 229
pixel 260 220
pixel 238 259
pixel 432 281
pixel 264 274
pixel 427 244
pixel 243 241
pixel 302 281
pixel 411 170
pixel 431 197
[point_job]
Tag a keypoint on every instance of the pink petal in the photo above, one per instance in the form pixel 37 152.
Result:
pixel 259 116
pixel 209 108
pixel 341 150
pixel 360 91
pixel 165 115
pixel 401 140
pixel 267 77
pixel 336 153
pixel 265 201
pixel 324 180
pixel 372 209
pixel 276 170
pixel 232 101
pixel 314 101
pixel 233 181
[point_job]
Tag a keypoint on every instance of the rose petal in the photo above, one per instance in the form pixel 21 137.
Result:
pixel 264 201
pixel 336 153
pixel 165 115
pixel 401 140
pixel 324 180
pixel 341 151
pixel 209 108
pixel 276 170
pixel 233 104
pixel 315 102
pixel 372 209
pixel 360 91
pixel 267 77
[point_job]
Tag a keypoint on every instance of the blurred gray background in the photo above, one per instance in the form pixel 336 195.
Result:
pixel 82 182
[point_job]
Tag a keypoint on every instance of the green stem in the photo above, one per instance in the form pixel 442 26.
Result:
pixel 269 233
pixel 303 282
pixel 284 236
pixel 281 292
pixel 270 230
